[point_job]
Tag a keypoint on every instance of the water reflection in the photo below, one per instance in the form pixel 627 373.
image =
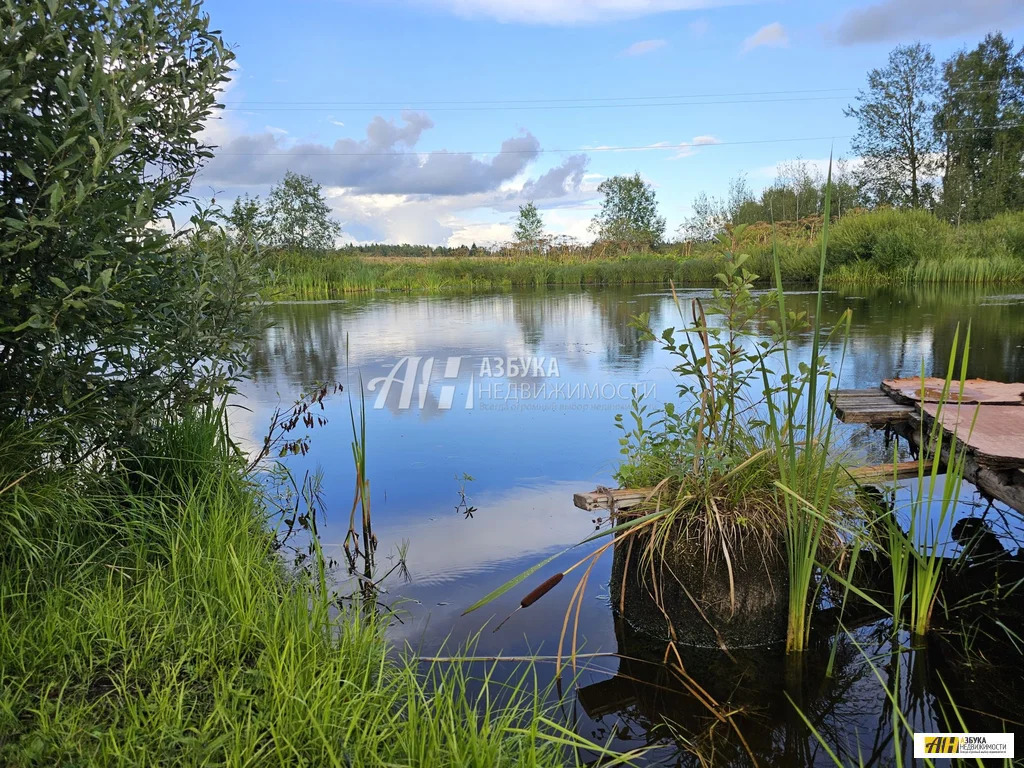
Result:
pixel 528 457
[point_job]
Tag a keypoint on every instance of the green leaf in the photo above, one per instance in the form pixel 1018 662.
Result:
pixel 60 284
pixel 25 170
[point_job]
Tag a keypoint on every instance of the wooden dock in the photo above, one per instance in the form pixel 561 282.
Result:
pixel 867 406
pixel 984 417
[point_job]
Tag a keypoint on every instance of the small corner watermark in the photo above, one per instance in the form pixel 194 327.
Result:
pixel 932 745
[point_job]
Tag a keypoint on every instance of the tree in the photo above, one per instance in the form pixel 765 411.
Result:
pixel 629 213
pixel 529 227
pixel 709 218
pixel 105 316
pixel 895 133
pixel 298 214
pixel 980 125
pixel 248 221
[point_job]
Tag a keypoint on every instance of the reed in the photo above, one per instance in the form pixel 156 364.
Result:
pixel 923 544
pixel 877 247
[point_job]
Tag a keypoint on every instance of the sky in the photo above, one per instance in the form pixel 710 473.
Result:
pixel 432 121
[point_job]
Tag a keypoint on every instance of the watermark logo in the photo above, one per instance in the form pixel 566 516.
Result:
pixel 413 374
pixel 963 745
pixel 506 383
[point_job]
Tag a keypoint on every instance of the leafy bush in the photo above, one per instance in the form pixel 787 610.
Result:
pixel 103 312
pixel 889 238
pixel 1002 235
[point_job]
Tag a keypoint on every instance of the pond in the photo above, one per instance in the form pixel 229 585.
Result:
pixel 505 404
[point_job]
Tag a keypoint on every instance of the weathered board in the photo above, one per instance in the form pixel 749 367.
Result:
pixel 974 391
pixel 995 436
pixel 867 406
pixel 604 498
pixel 883 472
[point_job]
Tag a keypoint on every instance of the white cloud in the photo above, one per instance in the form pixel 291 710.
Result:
pixel 683 148
pixel 382 190
pixel 689 148
pixel 569 11
pixel 641 47
pixel 275 130
pixel 384 162
pixel 771 35
pixel 907 19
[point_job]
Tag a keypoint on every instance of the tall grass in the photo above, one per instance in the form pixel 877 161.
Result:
pixel 882 246
pixel 801 433
pixel 149 622
pixel 918 555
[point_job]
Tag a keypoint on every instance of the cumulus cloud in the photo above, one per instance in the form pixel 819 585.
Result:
pixel 569 11
pixel 385 162
pixel 641 47
pixel 903 19
pixel 771 35
pixel 565 178
pixel 382 190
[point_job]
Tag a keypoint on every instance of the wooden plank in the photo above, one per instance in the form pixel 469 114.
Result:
pixel 882 472
pixel 880 414
pixel 870 405
pixel 867 406
pixel 855 392
pixel 997 437
pixel 974 391
pixel 602 498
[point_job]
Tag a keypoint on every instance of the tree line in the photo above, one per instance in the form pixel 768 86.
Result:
pixel 948 139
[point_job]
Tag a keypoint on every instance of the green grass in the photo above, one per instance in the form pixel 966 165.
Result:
pixel 883 246
pixel 145 619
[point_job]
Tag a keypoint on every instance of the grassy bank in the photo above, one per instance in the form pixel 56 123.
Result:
pixel 149 622
pixel 885 246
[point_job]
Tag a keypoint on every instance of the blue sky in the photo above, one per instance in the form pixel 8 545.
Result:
pixel 372 98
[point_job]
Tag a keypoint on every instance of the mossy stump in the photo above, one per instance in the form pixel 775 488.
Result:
pixel 685 593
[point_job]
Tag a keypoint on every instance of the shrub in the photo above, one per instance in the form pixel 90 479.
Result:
pixel 1002 235
pixel 889 238
pixel 103 314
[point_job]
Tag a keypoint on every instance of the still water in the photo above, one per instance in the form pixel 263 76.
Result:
pixel 518 391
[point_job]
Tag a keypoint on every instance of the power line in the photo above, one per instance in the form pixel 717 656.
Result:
pixel 639 148
pixel 604 102
pixel 401 103
pixel 541 106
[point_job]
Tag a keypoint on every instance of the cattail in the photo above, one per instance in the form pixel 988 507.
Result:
pixel 540 591
pixel 535 595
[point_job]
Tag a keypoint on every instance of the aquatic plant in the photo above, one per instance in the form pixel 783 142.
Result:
pixel 742 464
